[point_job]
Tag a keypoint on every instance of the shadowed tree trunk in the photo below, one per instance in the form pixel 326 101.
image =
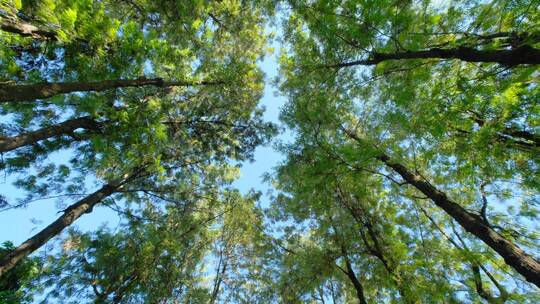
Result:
pixel 64 128
pixel 349 271
pixel 520 137
pixel 526 139
pixel 70 214
pixel 521 55
pixel 222 267
pixel 29 92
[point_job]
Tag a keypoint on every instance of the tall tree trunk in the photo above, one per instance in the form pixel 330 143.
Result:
pixel 66 127
pixel 514 256
pixel 521 55
pixel 29 92
pixel 389 264
pixel 71 214
pixel 15 25
pixel 354 280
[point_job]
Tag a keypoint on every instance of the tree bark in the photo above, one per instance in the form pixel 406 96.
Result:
pixel 66 127
pixel 527 139
pixel 520 55
pixel 16 26
pixel 514 256
pixel 71 214
pixel 29 92
pixel 354 280
pixel 512 134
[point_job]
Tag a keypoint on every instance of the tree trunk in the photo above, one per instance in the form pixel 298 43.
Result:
pixel 29 92
pixel 354 280
pixel 532 138
pixel 219 280
pixel 66 127
pixel 72 213
pixel 512 134
pixel 521 55
pixel 17 26
pixel 514 256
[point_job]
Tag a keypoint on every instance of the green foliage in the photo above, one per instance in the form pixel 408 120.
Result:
pixel 162 129
pixel 158 254
pixel 456 123
pixel 340 216
pixel 182 140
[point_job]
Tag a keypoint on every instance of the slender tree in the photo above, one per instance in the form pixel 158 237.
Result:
pixel 183 133
pixel 520 55
pixel 514 256
pixel 67 127
pixel 70 214
pixel 30 92
pixel 459 124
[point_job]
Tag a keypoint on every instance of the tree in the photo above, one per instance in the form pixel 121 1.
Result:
pixel 72 213
pixel 23 92
pixel 389 238
pixel 418 123
pixel 379 32
pixel 159 254
pixel 136 139
pixel 354 231
pixel 411 175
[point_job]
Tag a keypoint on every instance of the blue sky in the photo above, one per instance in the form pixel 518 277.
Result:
pixel 17 225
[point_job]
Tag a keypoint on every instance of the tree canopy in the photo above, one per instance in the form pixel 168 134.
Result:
pixel 410 144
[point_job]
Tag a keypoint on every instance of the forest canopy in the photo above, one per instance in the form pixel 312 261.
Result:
pixel 409 142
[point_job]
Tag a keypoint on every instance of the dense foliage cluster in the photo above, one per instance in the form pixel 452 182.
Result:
pixel 412 174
